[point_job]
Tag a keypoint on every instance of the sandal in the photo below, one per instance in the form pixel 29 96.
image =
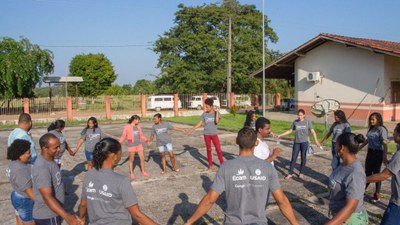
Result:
pixel 288 177
pixel 133 176
pixel 163 172
pixel 301 176
pixel 176 170
pixel 145 174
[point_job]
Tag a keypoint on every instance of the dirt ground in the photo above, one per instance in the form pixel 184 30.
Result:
pixel 173 197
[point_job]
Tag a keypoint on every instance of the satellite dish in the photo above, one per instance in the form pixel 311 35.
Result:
pixel 325 108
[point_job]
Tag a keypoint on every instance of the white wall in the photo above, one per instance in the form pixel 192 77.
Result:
pixel 349 73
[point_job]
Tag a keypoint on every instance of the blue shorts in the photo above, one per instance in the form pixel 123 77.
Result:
pixel 51 221
pixel 23 205
pixel 165 148
pixel 89 155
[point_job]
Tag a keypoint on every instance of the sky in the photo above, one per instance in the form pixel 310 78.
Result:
pixel 124 30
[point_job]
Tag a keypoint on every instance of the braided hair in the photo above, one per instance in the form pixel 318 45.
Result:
pixel 56 124
pixel 102 149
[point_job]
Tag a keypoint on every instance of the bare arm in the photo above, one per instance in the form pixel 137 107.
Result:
pixel 53 204
pixel 345 213
pixel 196 126
pixel 139 216
pixel 205 204
pixel 80 142
pixel 327 135
pixel 385 159
pixel 83 209
pixel 284 206
pixel 385 174
pixel 29 193
pixel 151 138
pixel 217 117
pixel 363 144
pixel 285 133
pixel 275 154
pixel 315 137
pixel 69 149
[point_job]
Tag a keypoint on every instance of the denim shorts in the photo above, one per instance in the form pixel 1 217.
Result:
pixel 89 155
pixel 166 147
pixel 23 205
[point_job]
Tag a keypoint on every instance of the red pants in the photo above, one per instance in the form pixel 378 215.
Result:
pixel 217 145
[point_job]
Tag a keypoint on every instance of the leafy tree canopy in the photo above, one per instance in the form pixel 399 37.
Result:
pixel 193 53
pixel 97 72
pixel 144 87
pixel 115 89
pixel 22 65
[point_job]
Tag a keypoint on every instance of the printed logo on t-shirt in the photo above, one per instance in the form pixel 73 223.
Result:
pixel 258 177
pixel 161 130
pixel 210 120
pixel 90 184
pixel 94 136
pixel 105 187
pixel 62 140
pixel 258 172
pixel 301 127
pixel 90 188
pixel 58 177
pixel 104 192
pixel 239 175
pixel 8 171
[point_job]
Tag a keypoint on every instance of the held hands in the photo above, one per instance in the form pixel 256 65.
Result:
pixel 277 151
pixel 73 220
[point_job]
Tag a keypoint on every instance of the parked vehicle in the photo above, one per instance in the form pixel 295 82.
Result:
pixel 158 102
pixel 288 104
pixel 196 102
pixel 243 101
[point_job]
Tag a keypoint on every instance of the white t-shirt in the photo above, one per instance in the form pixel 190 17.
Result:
pixel 262 151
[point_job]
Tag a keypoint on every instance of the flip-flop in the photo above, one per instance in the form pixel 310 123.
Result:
pixel 288 177
pixel 162 172
pixel 176 170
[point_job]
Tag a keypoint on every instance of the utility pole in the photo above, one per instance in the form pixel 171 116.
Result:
pixel 229 75
pixel 263 60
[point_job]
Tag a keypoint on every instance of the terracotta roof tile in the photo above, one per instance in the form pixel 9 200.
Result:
pixel 386 46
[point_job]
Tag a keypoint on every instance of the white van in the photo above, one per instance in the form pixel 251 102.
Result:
pixel 196 102
pixel 158 102
pixel 243 101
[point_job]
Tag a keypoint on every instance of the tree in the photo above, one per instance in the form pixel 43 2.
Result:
pixel 22 65
pixel 115 89
pixel 144 87
pixel 193 53
pixel 97 72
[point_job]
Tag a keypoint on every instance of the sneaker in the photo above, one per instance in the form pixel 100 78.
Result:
pixel 377 197
pixel 145 174
pixel 133 176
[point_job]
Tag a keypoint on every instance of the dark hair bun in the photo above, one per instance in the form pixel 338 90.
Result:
pixel 359 138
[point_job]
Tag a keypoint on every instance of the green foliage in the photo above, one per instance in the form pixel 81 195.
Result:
pixel 115 89
pixel 58 90
pixel 97 72
pixel 144 87
pixel 22 65
pixel 193 53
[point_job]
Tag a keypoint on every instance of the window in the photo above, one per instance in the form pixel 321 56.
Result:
pixel 167 99
pixel 158 99
pixel 395 91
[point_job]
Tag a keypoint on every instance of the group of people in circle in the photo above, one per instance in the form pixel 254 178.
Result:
pixel 108 197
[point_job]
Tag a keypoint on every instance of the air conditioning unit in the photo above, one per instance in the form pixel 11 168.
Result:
pixel 314 77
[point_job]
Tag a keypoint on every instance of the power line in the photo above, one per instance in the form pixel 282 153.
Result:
pixel 95 46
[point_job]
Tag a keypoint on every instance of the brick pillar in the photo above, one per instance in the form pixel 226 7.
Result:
pixel 232 99
pixel 108 108
pixel 143 104
pixel 204 98
pixel 69 109
pixel 176 106
pixel 26 105
pixel 278 101
pixel 256 105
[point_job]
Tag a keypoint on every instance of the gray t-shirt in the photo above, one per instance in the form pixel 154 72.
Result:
pixel 161 132
pixel 108 196
pixel 136 138
pixel 302 130
pixel 394 167
pixel 210 128
pixel 347 182
pixel 339 129
pixel 46 174
pixel 19 175
pixel 246 181
pixel 63 142
pixel 375 138
pixel 91 138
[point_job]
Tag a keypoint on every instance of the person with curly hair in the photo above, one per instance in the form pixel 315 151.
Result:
pixel 108 197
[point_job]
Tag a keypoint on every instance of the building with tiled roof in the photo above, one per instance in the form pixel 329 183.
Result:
pixel 362 74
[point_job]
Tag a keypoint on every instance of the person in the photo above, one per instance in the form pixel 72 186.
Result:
pixel 302 128
pixel 19 175
pixel 210 118
pixel 377 141
pixel 346 184
pixel 56 128
pixel 246 181
pixel 251 118
pixel 134 134
pixel 164 142
pixel 108 197
pixel 392 212
pixel 91 135
pixel 262 151
pixel 22 132
pixel 48 187
pixel 338 127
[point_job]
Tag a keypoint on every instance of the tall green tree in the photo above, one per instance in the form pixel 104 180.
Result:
pixel 22 66
pixel 97 72
pixel 144 87
pixel 115 89
pixel 193 53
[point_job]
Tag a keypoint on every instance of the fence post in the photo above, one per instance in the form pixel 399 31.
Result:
pixel 278 101
pixel 204 98
pixel 143 104
pixel 176 108
pixel 26 105
pixel 108 108
pixel 69 109
pixel 232 99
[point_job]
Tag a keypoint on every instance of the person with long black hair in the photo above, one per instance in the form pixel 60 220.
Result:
pixel 91 135
pixel 346 184
pixel 251 118
pixel 338 127
pixel 108 197
pixel 377 140
pixel 56 128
